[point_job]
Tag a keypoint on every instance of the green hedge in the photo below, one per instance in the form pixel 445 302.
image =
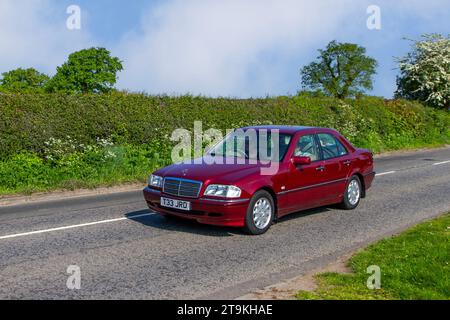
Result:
pixel 65 142
pixel 28 121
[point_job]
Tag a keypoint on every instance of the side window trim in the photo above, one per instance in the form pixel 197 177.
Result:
pixel 319 146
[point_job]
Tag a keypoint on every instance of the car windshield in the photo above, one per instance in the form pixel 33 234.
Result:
pixel 253 144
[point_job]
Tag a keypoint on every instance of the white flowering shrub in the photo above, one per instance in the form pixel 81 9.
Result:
pixel 68 152
pixel 349 121
pixel 56 149
pixel 425 72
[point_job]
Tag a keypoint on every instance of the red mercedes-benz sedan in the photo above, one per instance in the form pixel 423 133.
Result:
pixel 292 169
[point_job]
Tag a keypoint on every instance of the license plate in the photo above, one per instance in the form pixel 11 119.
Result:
pixel 175 204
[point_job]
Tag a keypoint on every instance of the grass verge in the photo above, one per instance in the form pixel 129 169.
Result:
pixel 414 265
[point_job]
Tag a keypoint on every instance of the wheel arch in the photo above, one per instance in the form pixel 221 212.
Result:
pixel 274 197
pixel 363 184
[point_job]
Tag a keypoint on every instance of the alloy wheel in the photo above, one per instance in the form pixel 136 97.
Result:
pixel 353 192
pixel 262 213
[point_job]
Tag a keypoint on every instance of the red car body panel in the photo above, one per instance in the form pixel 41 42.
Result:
pixel 294 189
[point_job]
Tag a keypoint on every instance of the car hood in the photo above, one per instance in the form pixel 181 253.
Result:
pixel 210 173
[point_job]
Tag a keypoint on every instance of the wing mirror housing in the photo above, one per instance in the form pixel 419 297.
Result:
pixel 301 161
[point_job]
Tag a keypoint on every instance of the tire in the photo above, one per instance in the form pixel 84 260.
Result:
pixel 352 194
pixel 259 220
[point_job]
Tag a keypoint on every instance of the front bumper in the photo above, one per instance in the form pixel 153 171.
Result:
pixel 219 212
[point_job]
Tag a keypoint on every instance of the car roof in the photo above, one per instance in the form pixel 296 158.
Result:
pixel 282 128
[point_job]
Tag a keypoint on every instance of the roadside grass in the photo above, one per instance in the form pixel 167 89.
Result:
pixel 28 173
pixel 415 265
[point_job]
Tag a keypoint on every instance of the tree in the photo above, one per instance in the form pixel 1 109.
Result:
pixel 23 81
pixel 341 70
pixel 425 72
pixel 88 70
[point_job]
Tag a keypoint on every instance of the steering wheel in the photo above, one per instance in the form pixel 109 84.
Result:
pixel 241 152
pixel 328 152
pixel 307 148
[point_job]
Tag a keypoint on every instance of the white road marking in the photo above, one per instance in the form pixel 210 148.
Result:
pixel 439 163
pixel 73 226
pixel 132 217
pixel 385 173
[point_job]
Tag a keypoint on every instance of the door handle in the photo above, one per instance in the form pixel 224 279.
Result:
pixel 347 162
pixel 320 168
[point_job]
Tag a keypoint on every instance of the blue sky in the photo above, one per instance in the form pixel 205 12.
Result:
pixel 237 48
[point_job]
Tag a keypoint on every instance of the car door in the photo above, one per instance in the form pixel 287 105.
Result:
pixel 336 163
pixel 301 179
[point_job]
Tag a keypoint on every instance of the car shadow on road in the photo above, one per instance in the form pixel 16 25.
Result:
pixel 181 225
pixel 191 226
pixel 305 213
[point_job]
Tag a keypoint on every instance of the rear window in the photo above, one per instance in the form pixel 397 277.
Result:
pixel 331 147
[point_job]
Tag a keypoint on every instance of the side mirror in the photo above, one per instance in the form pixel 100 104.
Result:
pixel 301 161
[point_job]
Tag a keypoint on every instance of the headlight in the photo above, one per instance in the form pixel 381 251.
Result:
pixel 219 190
pixel 155 181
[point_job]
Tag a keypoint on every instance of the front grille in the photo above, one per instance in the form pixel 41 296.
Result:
pixel 182 187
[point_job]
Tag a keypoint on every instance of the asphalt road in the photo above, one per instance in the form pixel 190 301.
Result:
pixel 126 252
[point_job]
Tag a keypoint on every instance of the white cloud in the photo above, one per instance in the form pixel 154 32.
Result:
pixel 34 34
pixel 218 47
pixel 234 47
